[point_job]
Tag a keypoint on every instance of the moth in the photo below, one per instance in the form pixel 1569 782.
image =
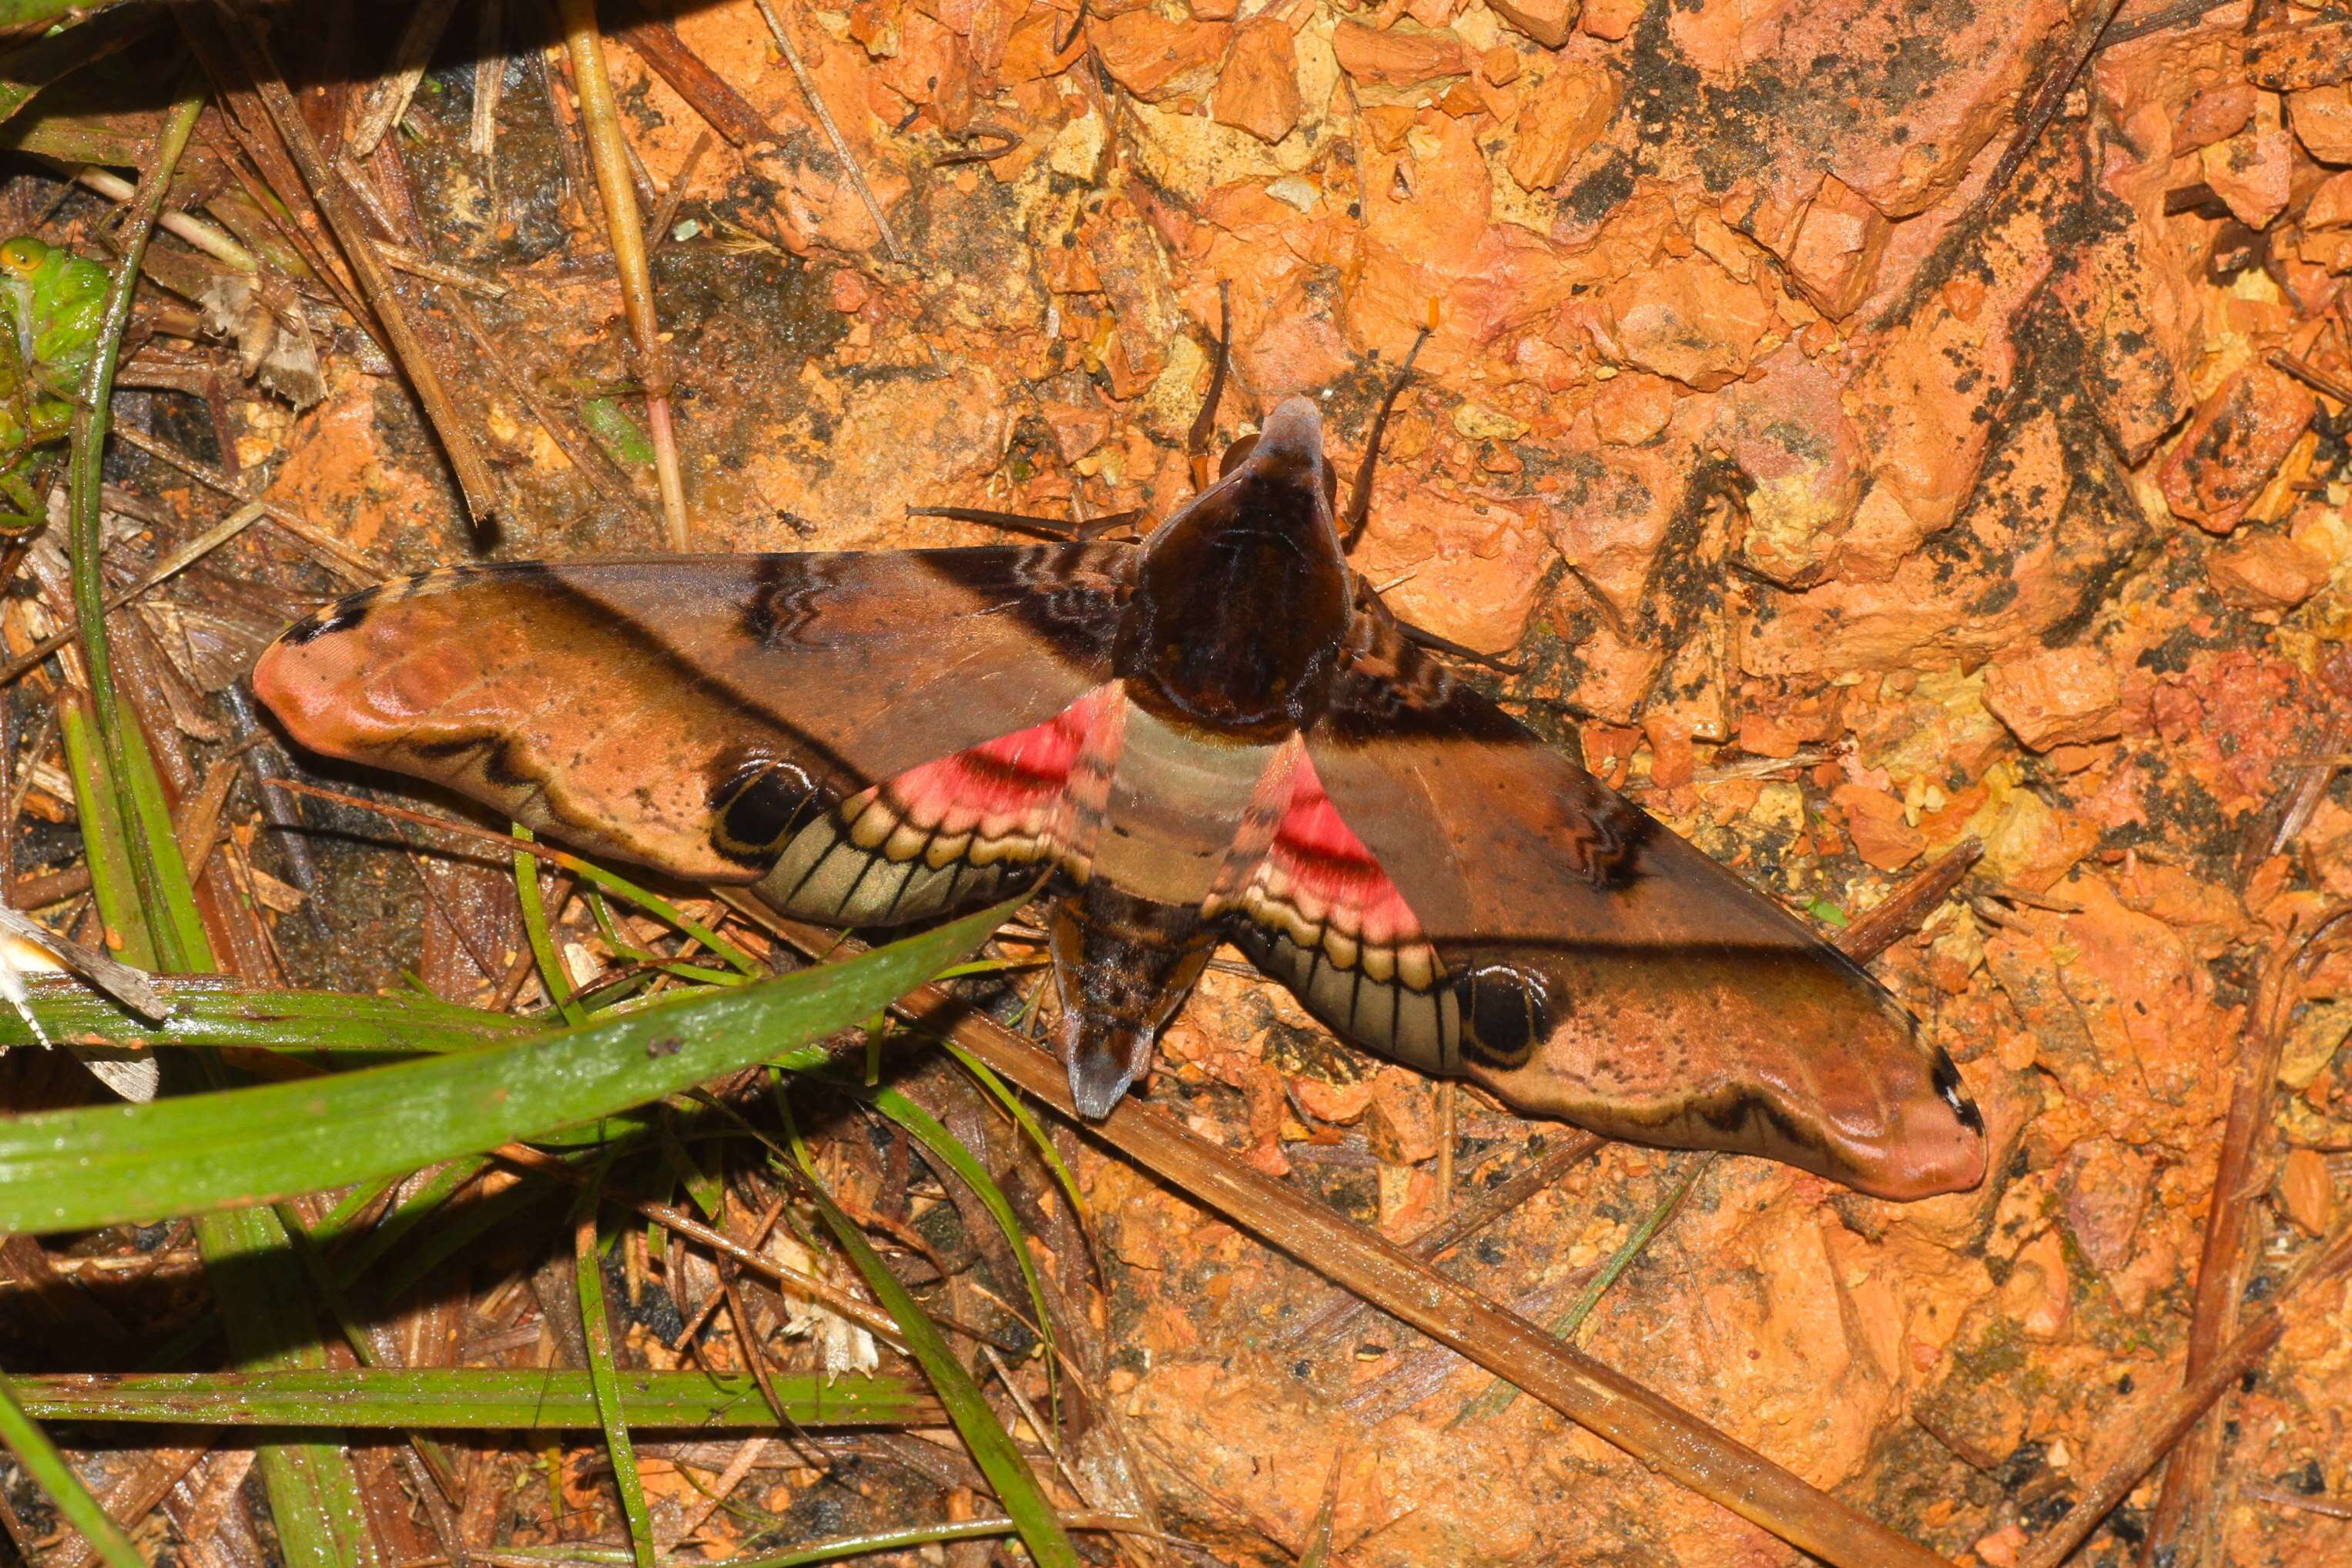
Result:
pixel 1219 734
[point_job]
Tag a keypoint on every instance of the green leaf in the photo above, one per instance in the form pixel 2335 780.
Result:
pixel 76 1170
pixel 605 1377
pixel 951 1153
pixel 1027 1119
pixel 469 1399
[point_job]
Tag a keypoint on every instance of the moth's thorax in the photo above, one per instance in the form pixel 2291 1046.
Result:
pixel 1241 600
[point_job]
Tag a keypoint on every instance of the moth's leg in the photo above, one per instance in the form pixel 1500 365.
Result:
pixel 1420 638
pixel 1359 498
pixel 1042 527
pixel 1204 424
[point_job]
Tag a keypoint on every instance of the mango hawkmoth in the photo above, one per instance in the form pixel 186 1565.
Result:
pixel 1218 734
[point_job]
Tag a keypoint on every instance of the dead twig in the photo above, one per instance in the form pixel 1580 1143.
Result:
pixel 330 551
pixel 2231 1240
pixel 2171 1419
pixel 1902 911
pixel 2047 100
pixel 1326 1325
pixel 705 90
pixel 393 93
pixel 785 47
pixel 625 225
pixel 339 209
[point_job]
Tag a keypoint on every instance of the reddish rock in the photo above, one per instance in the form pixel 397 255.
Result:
pixel 2330 204
pixel 2055 697
pixel 1561 113
pixel 2234 442
pixel 1836 256
pixel 2127 293
pixel 2267 571
pixel 2040 1294
pixel 1335 1104
pixel 2001 1548
pixel 1429 233
pixel 2104 1185
pixel 1611 19
pixel 1549 22
pixel 1630 408
pixel 1467 569
pixel 1873 820
pixel 1398 58
pixel 2307 1192
pixel 2249 172
pixel 1259 90
pixel 2041 552
pixel 2322 117
pixel 1612 513
pixel 1801 458
pixel 1156 57
pixel 2313 55
pixel 1688 320
pixel 1923 398
pixel 2214 115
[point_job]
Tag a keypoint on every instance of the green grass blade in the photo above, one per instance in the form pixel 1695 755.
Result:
pixel 209 1010
pixel 1499 1397
pixel 165 893
pixel 478 1399
pixel 551 973
pixel 98 808
pixel 661 909
pixel 604 1379
pixel 28 69
pixel 1027 1120
pixel 74 1169
pixel 990 1443
pixel 54 1475
pixel 314 1496
pixel 924 1129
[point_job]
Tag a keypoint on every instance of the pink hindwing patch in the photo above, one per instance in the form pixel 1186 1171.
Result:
pixel 1320 885
pixel 1017 797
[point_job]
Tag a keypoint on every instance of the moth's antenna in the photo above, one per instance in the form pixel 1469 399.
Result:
pixel 1204 427
pixel 1359 498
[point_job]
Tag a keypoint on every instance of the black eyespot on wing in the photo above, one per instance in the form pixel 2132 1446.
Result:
pixel 1505 1013
pixel 1947 1080
pixel 759 803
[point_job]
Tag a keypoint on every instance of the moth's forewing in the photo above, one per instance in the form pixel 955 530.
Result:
pixel 1487 908
pixel 691 713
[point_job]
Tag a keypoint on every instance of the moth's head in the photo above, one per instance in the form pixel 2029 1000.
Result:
pixel 1288 448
